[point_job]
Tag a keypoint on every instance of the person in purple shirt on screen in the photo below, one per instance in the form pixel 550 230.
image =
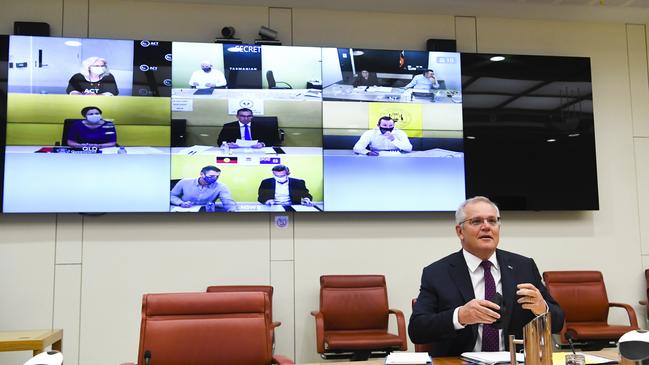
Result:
pixel 92 131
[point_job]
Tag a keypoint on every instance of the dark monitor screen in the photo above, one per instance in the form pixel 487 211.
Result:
pixel 4 63
pixel 529 131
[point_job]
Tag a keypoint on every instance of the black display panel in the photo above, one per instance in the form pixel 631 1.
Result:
pixel 529 131
pixel 4 68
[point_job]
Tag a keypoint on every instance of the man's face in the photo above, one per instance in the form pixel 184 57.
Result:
pixel 386 123
pixel 244 117
pixel 429 74
pixel 365 74
pixel 479 239
pixel 210 176
pixel 207 67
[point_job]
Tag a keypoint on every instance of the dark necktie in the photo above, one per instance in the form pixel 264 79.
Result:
pixel 246 133
pixel 490 340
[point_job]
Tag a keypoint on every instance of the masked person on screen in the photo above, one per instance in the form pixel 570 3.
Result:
pixel 245 128
pixel 454 311
pixel 385 137
pixel 366 79
pixel 207 77
pixel 425 81
pixel 93 79
pixel 283 190
pixel 92 131
pixel 202 190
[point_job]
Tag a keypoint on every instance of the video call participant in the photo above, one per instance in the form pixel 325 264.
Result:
pixel 454 312
pixel 425 81
pixel 92 131
pixel 93 79
pixel 207 77
pixel 246 129
pixel 366 79
pixel 202 190
pixel 283 190
pixel 385 137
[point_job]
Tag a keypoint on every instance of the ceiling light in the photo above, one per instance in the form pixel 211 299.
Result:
pixel 72 43
pixel 497 58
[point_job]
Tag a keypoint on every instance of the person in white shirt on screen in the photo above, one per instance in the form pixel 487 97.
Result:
pixel 425 81
pixel 385 137
pixel 207 77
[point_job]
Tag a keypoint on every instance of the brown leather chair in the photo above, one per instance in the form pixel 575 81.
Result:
pixel 582 296
pixel 644 302
pixel 353 318
pixel 426 347
pixel 250 288
pixel 206 329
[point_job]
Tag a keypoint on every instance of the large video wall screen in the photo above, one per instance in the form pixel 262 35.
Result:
pixel 102 125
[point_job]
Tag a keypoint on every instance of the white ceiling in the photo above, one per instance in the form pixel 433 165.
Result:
pixel 628 11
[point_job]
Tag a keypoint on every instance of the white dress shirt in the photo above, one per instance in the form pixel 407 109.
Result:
pixel 282 196
pixel 203 78
pixel 378 142
pixel 476 272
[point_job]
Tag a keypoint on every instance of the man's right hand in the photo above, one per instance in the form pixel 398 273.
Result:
pixel 186 204
pixel 478 311
pixel 372 153
pixel 269 202
pixel 233 145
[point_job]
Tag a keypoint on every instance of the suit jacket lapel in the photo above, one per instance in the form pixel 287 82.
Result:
pixel 459 271
pixel 507 273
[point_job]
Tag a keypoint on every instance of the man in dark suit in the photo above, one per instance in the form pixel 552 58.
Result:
pixel 282 190
pixel 454 311
pixel 246 129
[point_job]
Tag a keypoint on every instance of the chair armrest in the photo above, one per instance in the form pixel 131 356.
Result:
pixel 276 324
pixel 281 360
pixel 401 327
pixel 643 302
pixel 633 320
pixel 319 331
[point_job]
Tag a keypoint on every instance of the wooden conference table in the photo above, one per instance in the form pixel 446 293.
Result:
pixel 457 361
pixel 36 341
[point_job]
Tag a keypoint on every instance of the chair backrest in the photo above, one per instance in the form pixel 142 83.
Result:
pixel 354 302
pixel 248 289
pixel 646 276
pixel 581 294
pixel 206 328
pixel 66 128
pixel 270 123
pixel 271 79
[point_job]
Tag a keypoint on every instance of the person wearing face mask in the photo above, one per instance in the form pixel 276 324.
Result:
pixel 93 79
pixel 202 190
pixel 92 131
pixel 207 77
pixel 385 137
pixel 283 190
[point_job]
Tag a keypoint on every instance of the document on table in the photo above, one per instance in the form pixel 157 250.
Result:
pixel 193 208
pixel 559 358
pixel 193 150
pixel 408 358
pixel 246 143
pixel 491 358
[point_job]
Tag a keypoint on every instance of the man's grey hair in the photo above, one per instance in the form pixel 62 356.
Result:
pixel 461 216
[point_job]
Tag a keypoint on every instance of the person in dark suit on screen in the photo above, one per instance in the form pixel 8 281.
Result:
pixel 246 129
pixel 283 190
pixel 454 312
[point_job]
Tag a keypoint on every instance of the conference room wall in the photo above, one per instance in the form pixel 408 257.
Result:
pixel 113 259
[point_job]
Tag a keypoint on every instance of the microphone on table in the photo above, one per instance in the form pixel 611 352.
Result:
pixel 147 357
